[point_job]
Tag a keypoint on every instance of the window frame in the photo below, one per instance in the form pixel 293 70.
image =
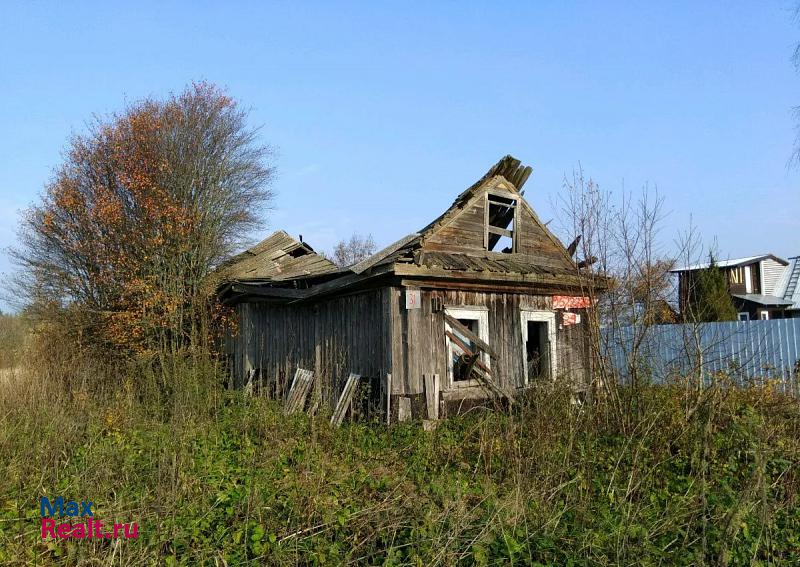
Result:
pixel 743 316
pixel 539 316
pixel 476 313
pixel 513 233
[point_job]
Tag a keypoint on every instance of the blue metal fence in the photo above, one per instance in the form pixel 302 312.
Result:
pixel 747 350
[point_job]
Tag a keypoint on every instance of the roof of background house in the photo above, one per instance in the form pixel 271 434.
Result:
pixel 788 286
pixel 767 300
pixel 731 263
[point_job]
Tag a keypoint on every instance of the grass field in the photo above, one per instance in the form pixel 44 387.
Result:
pixel 215 478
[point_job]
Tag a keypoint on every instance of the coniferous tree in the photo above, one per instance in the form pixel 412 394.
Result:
pixel 709 300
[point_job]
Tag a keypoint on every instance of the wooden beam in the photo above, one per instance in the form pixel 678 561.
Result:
pixel 253 289
pixel 468 351
pixel 574 245
pixel 422 271
pixel 388 399
pixel 456 324
pixel 500 231
pixel 432 395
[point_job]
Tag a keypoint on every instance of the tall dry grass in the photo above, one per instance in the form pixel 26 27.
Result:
pixel 214 477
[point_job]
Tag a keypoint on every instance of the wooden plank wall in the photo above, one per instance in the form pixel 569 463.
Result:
pixel 421 348
pixel 372 333
pixel 331 337
pixel 573 349
pixel 466 231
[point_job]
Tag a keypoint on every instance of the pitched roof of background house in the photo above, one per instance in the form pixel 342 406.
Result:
pixel 278 257
pixel 731 263
pixel 788 286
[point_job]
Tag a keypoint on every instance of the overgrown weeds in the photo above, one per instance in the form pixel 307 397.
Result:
pixel 214 477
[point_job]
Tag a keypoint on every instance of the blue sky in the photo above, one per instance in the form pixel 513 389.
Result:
pixel 381 113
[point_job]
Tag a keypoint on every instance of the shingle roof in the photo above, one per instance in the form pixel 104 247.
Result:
pixel 273 261
pixel 276 258
pixel 505 263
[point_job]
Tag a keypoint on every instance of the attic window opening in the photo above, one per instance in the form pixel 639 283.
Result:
pixel 500 233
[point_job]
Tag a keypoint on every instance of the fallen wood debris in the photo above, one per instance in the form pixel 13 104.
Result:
pixel 345 399
pixel 301 385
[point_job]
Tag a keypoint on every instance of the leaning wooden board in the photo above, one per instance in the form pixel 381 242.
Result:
pixel 345 399
pixel 301 385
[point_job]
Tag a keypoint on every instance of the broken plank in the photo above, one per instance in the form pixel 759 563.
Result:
pixel 468 351
pixel 345 399
pixel 301 385
pixel 458 326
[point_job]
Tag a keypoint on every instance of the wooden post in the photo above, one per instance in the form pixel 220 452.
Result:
pixel 432 395
pixel 389 399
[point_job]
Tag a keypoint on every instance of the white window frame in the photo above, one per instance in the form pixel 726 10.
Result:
pixel 549 317
pixel 743 316
pixel 764 315
pixel 480 314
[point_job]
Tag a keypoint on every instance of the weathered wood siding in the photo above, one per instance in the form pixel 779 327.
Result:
pixel 465 232
pixel 421 347
pixel 332 337
pixel 373 334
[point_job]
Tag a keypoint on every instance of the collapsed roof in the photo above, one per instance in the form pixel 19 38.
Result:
pixel 279 257
pixel 459 244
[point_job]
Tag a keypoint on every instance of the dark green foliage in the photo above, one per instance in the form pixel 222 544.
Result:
pixel 709 299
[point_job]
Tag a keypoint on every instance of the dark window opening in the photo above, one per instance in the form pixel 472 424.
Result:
pixel 537 350
pixel 500 224
pixel 461 360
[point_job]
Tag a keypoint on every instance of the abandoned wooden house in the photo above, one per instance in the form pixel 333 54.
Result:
pixel 482 302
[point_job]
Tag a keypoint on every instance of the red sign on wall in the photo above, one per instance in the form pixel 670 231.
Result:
pixel 571 302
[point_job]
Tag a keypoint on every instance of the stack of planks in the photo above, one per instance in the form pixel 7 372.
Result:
pixel 301 385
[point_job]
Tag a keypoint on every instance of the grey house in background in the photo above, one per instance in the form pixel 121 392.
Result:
pixel 761 287
pixel 482 302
